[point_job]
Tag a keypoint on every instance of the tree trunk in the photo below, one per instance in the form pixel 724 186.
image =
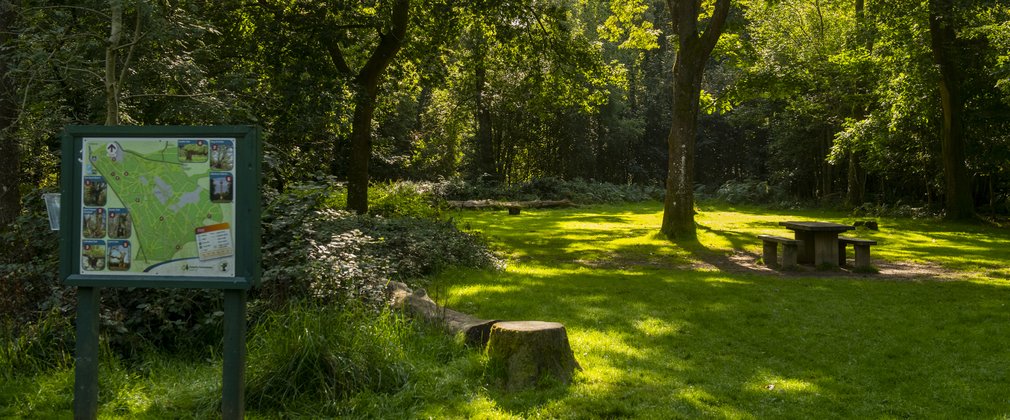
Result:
pixel 485 164
pixel 111 57
pixel 678 209
pixel 367 89
pixel 688 69
pixel 10 150
pixel 958 200
pixel 827 170
pixel 856 181
pixel 856 175
pixel 361 152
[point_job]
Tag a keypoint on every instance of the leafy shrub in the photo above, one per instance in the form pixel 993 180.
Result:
pixel 421 247
pixel 404 199
pixel 168 319
pixel 29 265
pixel 325 354
pixel 750 192
pixel 898 209
pixel 311 250
pixel 391 199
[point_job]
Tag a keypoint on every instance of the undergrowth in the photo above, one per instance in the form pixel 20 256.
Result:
pixel 578 190
pixel 323 355
pixel 311 250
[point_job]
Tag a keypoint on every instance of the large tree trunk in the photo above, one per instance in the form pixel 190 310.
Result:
pixel 367 83
pixel 688 69
pixel 10 151
pixel 361 152
pixel 678 208
pixel 959 203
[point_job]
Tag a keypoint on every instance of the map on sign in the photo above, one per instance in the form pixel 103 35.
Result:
pixel 158 206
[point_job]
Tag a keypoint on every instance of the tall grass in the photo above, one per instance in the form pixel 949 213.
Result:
pixel 27 349
pixel 325 354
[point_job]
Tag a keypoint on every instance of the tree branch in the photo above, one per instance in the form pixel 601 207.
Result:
pixel 87 9
pixel 169 95
pixel 133 45
pixel 671 5
pixel 354 26
pixel 715 26
pixel 337 57
pixel 389 45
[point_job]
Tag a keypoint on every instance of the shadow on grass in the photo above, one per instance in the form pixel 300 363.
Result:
pixel 672 341
pixel 698 344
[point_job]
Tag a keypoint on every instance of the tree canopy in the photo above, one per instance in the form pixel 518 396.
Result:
pixel 849 102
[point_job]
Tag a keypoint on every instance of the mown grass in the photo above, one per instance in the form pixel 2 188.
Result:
pixel 660 331
pixel 659 339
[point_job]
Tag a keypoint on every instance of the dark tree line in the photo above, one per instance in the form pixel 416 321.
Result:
pixel 852 101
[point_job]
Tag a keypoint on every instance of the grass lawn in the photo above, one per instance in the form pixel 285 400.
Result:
pixel 662 334
pixel 661 330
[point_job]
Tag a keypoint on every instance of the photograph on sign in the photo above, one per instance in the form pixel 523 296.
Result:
pixel 158 206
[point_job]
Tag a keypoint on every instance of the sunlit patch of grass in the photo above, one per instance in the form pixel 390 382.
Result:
pixel 674 340
pixel 766 381
pixel 975 248
pixel 44 395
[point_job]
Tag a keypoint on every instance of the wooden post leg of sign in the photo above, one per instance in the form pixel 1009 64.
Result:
pixel 86 363
pixel 233 386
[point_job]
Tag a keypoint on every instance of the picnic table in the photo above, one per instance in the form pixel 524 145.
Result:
pixel 819 241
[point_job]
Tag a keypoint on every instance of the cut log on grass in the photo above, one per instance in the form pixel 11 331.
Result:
pixel 418 304
pixel 527 352
pixel 547 204
pixel 479 204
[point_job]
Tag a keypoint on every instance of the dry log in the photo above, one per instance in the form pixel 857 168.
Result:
pixel 529 351
pixel 418 304
pixel 543 204
pixel 480 204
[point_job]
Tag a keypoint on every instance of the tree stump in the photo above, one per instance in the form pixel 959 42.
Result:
pixel 514 210
pixel 528 351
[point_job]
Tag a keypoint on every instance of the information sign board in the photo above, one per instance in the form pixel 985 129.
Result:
pixel 161 206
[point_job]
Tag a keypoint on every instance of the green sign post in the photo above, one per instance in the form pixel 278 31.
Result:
pixel 157 207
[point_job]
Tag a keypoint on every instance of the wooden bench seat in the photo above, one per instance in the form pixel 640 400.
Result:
pixel 771 248
pixel 862 249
